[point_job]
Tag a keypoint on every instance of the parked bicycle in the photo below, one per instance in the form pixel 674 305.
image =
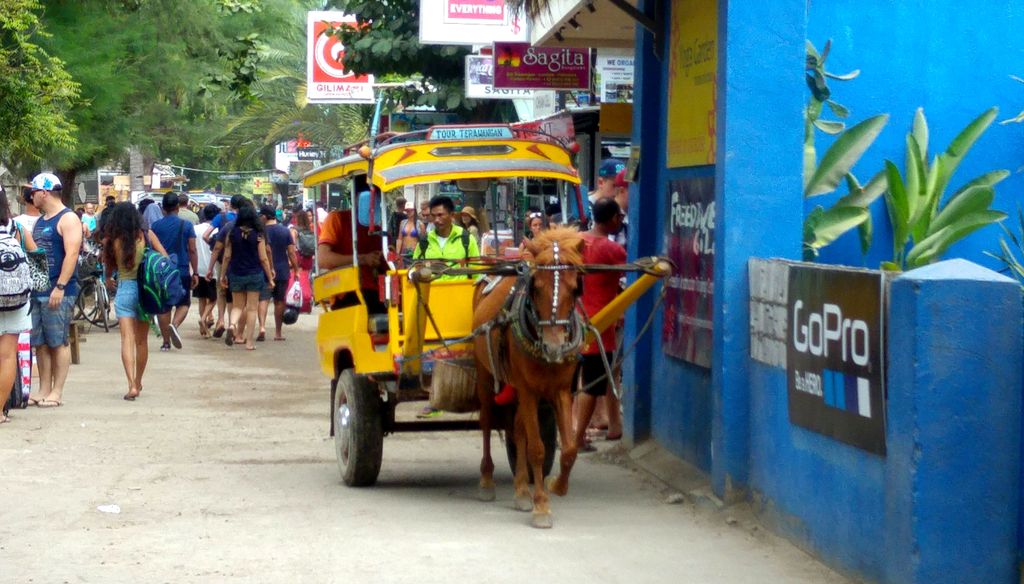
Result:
pixel 94 304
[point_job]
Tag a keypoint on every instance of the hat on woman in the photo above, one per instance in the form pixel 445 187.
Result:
pixel 471 212
pixel 410 206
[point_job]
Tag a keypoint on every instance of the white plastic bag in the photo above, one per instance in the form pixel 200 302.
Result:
pixel 294 296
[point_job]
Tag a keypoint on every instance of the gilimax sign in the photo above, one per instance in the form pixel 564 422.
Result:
pixel 835 359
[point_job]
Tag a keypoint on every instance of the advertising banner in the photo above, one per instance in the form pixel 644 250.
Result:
pixel 613 76
pixel 834 356
pixel 327 81
pixel 480 81
pixel 690 243
pixel 470 22
pixel 559 126
pixel 262 186
pixel 521 66
pixel 692 83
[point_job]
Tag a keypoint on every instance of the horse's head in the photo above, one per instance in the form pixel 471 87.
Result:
pixel 556 284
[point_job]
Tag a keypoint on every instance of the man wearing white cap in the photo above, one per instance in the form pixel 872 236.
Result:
pixel 59 232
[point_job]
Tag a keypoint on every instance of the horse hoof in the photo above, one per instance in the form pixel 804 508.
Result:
pixel 485 494
pixel 542 521
pixel 524 504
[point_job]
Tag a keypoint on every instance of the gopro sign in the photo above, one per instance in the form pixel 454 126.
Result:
pixel 834 356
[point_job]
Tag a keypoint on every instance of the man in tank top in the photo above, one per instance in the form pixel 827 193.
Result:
pixel 59 232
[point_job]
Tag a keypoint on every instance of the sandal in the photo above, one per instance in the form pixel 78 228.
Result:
pixel 5 419
pixel 218 332
pixel 50 403
pixel 262 336
pixel 229 339
pixel 129 397
pixel 165 347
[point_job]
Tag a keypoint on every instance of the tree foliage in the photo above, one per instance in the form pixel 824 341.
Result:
pixel 36 92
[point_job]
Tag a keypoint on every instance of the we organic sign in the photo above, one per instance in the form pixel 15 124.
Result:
pixel 521 66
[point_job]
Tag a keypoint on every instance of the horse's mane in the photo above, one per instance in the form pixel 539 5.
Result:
pixel 569 241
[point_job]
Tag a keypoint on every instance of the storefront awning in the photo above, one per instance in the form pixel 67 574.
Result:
pixel 585 23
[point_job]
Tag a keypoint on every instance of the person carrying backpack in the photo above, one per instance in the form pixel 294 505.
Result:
pixel 15 293
pixel 304 238
pixel 124 247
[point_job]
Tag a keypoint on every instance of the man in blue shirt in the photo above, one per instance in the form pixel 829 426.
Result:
pixel 179 239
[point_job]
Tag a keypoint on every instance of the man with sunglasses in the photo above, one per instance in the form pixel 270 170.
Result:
pixel 59 232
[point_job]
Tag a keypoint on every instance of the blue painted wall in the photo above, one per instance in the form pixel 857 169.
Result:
pixel 953 61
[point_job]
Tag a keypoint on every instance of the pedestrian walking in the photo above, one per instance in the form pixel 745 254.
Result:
pixel 304 238
pixel 215 239
pixel 15 286
pixel 123 245
pixel 184 211
pixel 59 232
pixel 282 254
pixel 179 239
pixel 246 263
pixel 409 232
pixel 206 289
pixel 27 220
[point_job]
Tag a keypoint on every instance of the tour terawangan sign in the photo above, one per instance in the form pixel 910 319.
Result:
pixel 521 66
pixel 834 354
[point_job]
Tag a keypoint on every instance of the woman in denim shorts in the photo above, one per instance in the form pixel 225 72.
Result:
pixel 12 322
pixel 247 268
pixel 124 242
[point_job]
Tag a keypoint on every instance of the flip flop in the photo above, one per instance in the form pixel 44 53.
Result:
pixel 613 437
pixel 229 339
pixel 175 337
pixel 278 338
pixel 50 403
pixel 130 397
pixel 261 337
pixel 218 332
pixel 33 401
pixel 5 419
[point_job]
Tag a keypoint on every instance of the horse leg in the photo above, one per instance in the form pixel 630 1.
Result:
pixel 485 491
pixel 535 450
pixel 521 481
pixel 563 412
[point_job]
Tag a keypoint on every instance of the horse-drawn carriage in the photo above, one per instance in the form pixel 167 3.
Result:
pixel 431 342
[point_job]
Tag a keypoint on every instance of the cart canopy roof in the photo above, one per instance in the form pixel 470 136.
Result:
pixel 349 166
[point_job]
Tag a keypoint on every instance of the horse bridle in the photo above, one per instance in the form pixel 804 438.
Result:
pixel 526 323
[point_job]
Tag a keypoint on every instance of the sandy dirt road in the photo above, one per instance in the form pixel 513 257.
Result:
pixel 223 472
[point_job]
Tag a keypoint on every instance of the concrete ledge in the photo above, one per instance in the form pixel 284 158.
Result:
pixel 675 473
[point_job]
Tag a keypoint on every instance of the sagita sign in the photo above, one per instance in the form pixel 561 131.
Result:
pixel 327 81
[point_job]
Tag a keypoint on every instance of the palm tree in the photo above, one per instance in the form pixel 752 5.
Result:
pixel 533 8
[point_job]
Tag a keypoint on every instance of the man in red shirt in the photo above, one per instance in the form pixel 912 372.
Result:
pixel 598 290
pixel 335 251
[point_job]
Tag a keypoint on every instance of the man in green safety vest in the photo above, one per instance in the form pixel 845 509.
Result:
pixel 446 241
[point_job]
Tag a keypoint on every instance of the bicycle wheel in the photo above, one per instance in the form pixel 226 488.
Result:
pixel 98 305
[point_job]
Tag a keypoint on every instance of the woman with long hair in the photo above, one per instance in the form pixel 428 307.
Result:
pixel 124 242
pixel 301 223
pixel 12 322
pixel 246 263
pixel 409 232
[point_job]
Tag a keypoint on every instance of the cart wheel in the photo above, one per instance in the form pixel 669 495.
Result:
pixel 548 435
pixel 358 431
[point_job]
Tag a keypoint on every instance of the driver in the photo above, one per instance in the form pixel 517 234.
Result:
pixel 446 241
pixel 334 250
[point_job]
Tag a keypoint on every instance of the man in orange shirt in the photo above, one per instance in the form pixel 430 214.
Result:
pixel 335 251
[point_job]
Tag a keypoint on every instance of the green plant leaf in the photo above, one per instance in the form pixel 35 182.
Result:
pixel 835 222
pixel 1014 120
pixel 973 200
pixel 890 267
pixel 960 145
pixel 829 127
pixel 844 76
pixel 933 246
pixel 838 110
pixel 896 201
pixel 920 132
pixel 916 173
pixel 866 232
pixel 843 154
pixel 926 205
pixel 988 179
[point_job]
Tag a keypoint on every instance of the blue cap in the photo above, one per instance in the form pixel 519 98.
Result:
pixel 610 167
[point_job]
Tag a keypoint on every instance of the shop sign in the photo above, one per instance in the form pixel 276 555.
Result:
pixel 522 66
pixel 312 153
pixel 834 356
pixel 559 126
pixel 613 76
pixel 327 80
pixel 470 22
pixel 480 81
pixel 262 186
pixel 692 84
pixel 690 244
pixel 455 133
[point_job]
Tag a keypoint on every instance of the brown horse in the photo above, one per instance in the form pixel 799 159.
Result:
pixel 533 345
